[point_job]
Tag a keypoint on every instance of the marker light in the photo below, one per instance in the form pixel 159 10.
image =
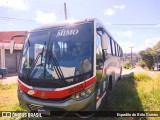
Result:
pixel 77 96
pixel 85 93
pixel 31 92
pixel 88 91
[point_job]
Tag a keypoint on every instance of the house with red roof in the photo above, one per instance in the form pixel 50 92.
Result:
pixel 7 60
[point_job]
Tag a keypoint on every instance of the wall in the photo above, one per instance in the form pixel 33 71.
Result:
pixel 12 61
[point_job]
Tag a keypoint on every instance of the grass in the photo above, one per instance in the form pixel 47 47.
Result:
pixel 8 98
pixel 138 92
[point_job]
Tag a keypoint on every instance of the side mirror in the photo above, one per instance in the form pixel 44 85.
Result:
pixel 12 43
pixel 104 42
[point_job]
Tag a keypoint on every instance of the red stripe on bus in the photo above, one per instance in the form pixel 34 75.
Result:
pixel 56 94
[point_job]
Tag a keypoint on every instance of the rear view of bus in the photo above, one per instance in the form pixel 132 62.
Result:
pixel 66 67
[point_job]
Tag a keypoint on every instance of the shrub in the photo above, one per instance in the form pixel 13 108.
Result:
pixel 142 63
pixel 127 65
pixel 142 76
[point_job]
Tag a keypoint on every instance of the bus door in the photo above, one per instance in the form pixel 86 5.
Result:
pixel 101 78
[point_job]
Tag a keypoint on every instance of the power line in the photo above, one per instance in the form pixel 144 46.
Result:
pixel 17 19
pixel 137 28
pixel 135 24
pixel 66 15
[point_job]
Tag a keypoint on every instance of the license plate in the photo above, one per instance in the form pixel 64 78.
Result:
pixel 44 112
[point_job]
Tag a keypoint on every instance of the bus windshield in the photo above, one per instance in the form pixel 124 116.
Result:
pixel 59 52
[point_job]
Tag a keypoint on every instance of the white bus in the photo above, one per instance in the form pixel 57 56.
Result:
pixel 68 67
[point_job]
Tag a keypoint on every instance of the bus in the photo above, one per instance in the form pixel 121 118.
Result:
pixel 68 67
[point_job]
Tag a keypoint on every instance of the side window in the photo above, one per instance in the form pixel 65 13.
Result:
pixel 121 52
pixel 118 51
pixel 113 47
pixel 109 50
pixel 99 53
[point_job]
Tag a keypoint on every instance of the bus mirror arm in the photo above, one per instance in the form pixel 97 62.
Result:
pixel 99 67
pixel 12 43
pixel 104 42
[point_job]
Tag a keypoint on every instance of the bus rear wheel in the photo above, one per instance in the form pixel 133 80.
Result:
pixel 1 76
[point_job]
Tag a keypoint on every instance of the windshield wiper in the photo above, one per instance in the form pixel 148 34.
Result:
pixel 33 65
pixel 56 66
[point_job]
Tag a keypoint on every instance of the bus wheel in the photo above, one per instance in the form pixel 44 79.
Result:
pixel 1 76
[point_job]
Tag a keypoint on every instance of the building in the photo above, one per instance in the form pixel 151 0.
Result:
pixel 7 60
pixel 135 58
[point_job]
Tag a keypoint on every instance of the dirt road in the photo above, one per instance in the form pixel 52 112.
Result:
pixel 10 79
pixel 127 72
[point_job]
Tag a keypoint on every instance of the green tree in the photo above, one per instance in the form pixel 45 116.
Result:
pixel 127 65
pixel 142 63
pixel 148 55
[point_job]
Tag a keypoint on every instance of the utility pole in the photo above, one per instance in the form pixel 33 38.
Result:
pixel 131 56
pixel 65 11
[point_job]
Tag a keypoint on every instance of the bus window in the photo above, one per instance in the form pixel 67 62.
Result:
pixel 121 52
pixel 118 51
pixel 99 53
pixel 109 50
pixel 113 47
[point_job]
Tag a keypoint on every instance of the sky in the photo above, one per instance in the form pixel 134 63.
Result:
pixel 133 23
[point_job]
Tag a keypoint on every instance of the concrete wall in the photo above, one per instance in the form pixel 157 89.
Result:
pixel 12 61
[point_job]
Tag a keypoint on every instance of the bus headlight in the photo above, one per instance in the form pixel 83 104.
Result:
pixel 85 93
pixel 77 96
pixel 88 91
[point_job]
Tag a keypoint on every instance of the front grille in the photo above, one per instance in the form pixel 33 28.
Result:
pixel 34 107
pixel 49 100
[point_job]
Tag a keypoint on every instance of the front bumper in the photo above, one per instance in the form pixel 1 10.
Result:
pixel 87 104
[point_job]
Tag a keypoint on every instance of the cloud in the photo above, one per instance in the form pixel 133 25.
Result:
pixel 119 7
pixel 127 33
pixel 113 10
pixel 151 42
pixel 110 12
pixel 45 18
pixel 15 4
pixel 138 47
pixel 108 24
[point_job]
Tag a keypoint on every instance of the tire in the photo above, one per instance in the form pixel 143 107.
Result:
pixel 1 75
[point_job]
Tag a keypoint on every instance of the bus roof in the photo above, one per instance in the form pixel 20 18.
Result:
pixel 66 23
pixel 62 24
